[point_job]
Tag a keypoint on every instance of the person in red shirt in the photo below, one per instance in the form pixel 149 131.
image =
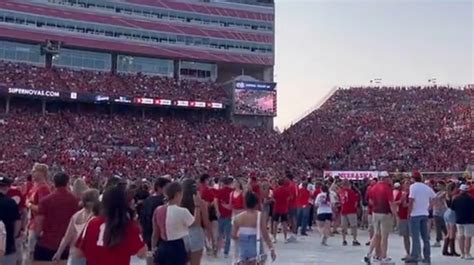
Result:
pixel 370 224
pixel 225 214
pixel 280 208
pixel 349 205
pixel 383 207
pixel 303 207
pixel 209 195
pixel 40 190
pixel 237 198
pixel 292 205
pixel 113 237
pixel 54 214
pixel 255 187
pixel 401 200
pixel 471 189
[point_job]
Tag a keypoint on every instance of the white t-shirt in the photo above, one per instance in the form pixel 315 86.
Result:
pixel 421 195
pixel 178 221
pixel 322 204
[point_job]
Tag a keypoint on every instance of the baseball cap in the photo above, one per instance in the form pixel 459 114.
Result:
pixel 5 181
pixel 463 187
pixel 397 185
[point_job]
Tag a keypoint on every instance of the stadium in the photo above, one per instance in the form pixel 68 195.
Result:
pixel 137 89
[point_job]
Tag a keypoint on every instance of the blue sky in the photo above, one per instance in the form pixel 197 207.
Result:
pixel 323 44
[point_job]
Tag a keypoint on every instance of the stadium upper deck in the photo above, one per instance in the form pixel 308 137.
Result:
pixel 194 31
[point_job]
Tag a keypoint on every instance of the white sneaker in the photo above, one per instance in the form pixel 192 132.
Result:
pixel 436 245
pixel 468 257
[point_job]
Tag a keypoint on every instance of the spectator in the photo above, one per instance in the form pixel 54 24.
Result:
pixel 90 204
pixel 349 204
pixel 303 207
pixel 402 201
pixel 54 213
pixel 280 209
pixel 112 237
pixel 449 247
pixel 381 198
pixel 248 229
pixel 10 221
pixel 225 214
pixel 463 206
pixel 171 226
pixel 420 200
pixel 149 206
pixel 324 215
pixel 197 237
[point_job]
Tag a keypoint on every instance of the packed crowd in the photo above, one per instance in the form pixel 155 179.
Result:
pixel 95 145
pixel 54 218
pixel 141 85
pixel 388 128
pixel 357 129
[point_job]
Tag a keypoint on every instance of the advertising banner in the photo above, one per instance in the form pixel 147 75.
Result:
pixel 33 92
pixel 254 85
pixel 354 175
pixel 101 98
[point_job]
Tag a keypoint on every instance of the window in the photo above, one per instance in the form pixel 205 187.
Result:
pixel 21 52
pixel 83 59
pixel 132 64
pixel 138 34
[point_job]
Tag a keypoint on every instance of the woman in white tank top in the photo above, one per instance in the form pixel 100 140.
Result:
pixel 89 200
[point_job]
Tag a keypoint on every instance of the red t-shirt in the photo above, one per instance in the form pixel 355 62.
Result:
pixel 57 210
pixel 207 194
pixel 380 195
pixel 293 194
pixel 237 200
pixel 91 242
pixel 224 198
pixel 369 206
pixel 281 197
pixel 37 193
pixel 349 201
pixel 303 197
pixel 17 196
pixel 402 210
pixel 471 192
pixel 255 188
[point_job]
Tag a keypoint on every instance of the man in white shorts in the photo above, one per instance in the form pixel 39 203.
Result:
pixel 463 206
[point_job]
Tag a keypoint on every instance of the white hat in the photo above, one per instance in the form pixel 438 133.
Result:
pixel 463 187
pixel 397 185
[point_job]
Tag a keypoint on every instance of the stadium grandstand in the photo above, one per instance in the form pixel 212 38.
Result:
pixel 137 87
pixel 142 88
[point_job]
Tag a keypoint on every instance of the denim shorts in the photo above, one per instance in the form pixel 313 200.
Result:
pixel 248 247
pixel 450 217
pixel 195 240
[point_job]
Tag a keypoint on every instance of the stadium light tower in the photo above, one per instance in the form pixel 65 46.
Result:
pixel 375 81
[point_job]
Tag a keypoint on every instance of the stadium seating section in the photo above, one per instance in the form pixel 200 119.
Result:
pixel 387 128
pixel 64 79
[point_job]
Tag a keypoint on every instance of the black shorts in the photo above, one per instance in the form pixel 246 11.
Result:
pixel 212 213
pixel 176 247
pixel 323 217
pixel 280 217
pixel 430 214
pixel 45 254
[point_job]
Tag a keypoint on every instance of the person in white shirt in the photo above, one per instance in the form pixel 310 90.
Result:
pixel 420 198
pixel 324 215
pixel 171 226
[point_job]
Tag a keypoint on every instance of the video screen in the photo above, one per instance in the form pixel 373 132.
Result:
pixel 255 102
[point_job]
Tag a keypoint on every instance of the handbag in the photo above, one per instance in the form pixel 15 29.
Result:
pixel 3 239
